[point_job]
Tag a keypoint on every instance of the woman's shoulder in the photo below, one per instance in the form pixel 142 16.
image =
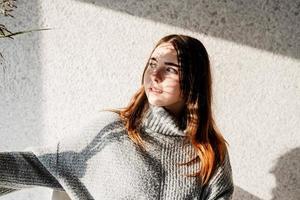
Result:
pixel 103 121
pixel 100 121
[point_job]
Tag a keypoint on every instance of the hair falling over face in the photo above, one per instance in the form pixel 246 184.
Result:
pixel 196 88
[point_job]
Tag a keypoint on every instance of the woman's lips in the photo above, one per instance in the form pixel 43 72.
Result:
pixel 155 90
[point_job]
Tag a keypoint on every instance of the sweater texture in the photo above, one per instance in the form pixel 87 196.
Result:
pixel 101 162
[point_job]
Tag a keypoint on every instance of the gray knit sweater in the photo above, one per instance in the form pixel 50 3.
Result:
pixel 100 162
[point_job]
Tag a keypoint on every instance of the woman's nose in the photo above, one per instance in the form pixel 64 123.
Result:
pixel 156 75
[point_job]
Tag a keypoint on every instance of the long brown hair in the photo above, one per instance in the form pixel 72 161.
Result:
pixel 196 87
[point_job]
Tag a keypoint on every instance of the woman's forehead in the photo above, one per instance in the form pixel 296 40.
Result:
pixel 165 49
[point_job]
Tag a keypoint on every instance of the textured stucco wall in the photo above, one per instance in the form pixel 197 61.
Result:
pixel 94 56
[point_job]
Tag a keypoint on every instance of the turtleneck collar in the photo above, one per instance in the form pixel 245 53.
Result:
pixel 159 120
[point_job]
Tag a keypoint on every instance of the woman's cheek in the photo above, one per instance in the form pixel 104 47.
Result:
pixel 173 88
pixel 146 82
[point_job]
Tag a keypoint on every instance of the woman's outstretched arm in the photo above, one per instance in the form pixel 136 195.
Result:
pixel 60 164
pixel 20 170
pixel 221 185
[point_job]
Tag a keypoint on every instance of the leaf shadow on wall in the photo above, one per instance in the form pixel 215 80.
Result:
pixel 287 174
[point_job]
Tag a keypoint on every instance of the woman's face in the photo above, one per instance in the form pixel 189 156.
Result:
pixel 161 79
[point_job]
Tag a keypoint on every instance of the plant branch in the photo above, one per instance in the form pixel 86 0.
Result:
pixel 10 34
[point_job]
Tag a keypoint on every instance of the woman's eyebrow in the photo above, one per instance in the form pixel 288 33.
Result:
pixel 172 64
pixel 166 63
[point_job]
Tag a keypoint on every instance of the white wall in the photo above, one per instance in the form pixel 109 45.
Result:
pixel 94 56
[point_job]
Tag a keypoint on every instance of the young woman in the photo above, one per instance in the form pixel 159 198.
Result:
pixel 163 145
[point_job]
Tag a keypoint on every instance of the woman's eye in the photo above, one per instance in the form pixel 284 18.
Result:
pixel 172 70
pixel 152 65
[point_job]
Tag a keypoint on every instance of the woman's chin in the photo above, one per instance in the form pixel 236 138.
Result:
pixel 155 103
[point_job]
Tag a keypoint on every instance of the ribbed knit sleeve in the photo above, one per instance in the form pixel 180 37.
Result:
pixel 61 165
pixel 220 186
pixel 23 170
